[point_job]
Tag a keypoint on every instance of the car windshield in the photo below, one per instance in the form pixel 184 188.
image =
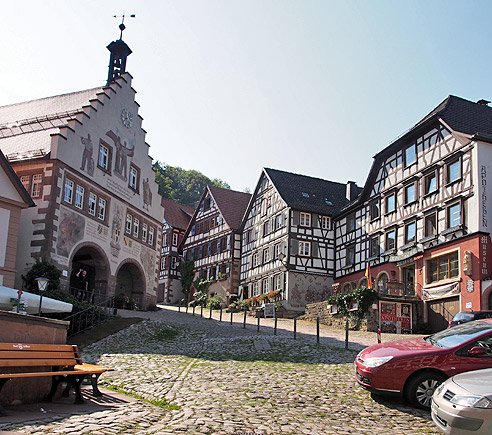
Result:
pixel 459 334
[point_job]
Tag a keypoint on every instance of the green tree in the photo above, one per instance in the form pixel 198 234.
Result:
pixel 181 185
pixel 42 268
pixel 187 276
pixel 201 291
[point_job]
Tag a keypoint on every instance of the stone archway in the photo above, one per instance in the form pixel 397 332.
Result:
pixel 93 260
pixel 486 302
pixel 130 285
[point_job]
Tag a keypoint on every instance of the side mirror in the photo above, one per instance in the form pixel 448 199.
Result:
pixel 477 351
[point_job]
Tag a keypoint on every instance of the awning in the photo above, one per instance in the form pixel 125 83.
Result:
pixel 441 291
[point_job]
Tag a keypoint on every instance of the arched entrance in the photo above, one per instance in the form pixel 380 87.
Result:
pixel 92 260
pixel 130 286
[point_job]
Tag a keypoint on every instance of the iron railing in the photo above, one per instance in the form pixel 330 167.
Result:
pixel 90 317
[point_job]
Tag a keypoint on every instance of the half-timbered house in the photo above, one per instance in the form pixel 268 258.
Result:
pixel 84 159
pixel 176 219
pixel 421 221
pixel 288 237
pixel 213 239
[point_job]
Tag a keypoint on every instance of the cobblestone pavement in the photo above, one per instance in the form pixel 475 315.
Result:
pixel 211 377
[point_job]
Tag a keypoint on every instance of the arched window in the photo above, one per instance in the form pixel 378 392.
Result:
pixel 363 282
pixel 347 287
pixel 381 283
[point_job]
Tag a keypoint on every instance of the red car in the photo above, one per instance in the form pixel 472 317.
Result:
pixel 414 368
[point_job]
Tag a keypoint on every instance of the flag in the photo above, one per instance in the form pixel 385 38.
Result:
pixel 368 276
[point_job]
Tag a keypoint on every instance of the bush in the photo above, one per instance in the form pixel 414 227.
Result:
pixel 215 302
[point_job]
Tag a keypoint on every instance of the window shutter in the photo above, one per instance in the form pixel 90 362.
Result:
pixel 314 249
pixel 295 217
pixel 294 247
pixel 315 218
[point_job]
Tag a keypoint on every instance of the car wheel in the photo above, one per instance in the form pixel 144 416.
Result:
pixel 421 387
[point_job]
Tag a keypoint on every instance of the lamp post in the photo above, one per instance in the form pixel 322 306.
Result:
pixel 42 284
pixel 283 260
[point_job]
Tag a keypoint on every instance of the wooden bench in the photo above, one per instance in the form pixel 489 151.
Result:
pixel 62 362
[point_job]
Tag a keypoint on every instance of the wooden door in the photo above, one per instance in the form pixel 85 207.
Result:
pixel 442 311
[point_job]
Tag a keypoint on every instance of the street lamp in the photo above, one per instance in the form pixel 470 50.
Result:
pixel 42 284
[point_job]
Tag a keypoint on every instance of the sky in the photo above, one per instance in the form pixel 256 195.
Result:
pixel 227 87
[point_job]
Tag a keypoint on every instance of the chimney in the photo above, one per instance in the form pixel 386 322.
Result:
pixel 351 191
pixel 483 102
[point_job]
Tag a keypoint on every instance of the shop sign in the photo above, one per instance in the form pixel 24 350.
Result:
pixel 395 317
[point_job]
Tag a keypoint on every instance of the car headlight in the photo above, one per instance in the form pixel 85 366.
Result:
pixel 472 401
pixel 376 362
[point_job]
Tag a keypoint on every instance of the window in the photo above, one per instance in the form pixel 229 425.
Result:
pixel 136 227
pixel 410 193
pixel 266 228
pixel 453 171
pixel 444 267
pixel 175 239
pixel 228 246
pixel 351 222
pixel 391 203
pixel 391 240
pixel 129 223
pixel 277 282
pixel 374 210
pixel 163 263
pixel 264 206
pixel 325 222
pixel 266 255
pixel 304 248
pixel 374 247
pixel 249 236
pixel 164 239
pixel 410 232
pixel 430 138
pixel 410 156
pixel 102 209
pixel 36 185
pixel 219 245
pixel 256 289
pixel 430 181
pixel 350 256
pixel 103 158
pixel 151 236
pixel 92 204
pixel 278 221
pixel 255 259
pixel 68 196
pixel 133 179
pixel 265 285
pixel 305 219
pixel 454 215
pixel 173 262
pixel 25 181
pixel 430 222
pixel 144 232
pixel 79 197
pixel 276 250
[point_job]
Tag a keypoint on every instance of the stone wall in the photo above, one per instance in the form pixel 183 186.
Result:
pixel 320 309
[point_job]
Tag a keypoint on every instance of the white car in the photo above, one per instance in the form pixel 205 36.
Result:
pixel 462 405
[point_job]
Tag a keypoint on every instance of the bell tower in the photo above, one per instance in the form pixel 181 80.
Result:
pixel 119 52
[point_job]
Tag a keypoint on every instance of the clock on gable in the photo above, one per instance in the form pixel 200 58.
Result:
pixel 127 118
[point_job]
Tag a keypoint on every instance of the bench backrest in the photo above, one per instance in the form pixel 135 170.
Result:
pixel 38 355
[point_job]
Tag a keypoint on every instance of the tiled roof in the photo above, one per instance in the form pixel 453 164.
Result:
pixel 177 215
pixel 308 193
pixel 26 128
pixel 232 205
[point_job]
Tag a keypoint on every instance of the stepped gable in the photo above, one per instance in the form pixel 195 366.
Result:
pixel 232 205
pixel 310 194
pixel 177 215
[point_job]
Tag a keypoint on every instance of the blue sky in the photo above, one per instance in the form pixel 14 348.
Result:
pixel 230 86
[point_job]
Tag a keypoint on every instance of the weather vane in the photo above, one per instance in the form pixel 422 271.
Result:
pixel 122 25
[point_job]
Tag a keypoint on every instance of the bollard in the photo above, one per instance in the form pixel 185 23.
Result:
pixel 220 318
pixel 379 335
pixel 317 330
pixel 193 309
pixel 210 314
pixel 201 310
pixel 258 326
pixel 179 307
pixel 275 322
pixel 244 320
pixel 346 333
pixel 186 309
pixel 231 317
pixel 295 326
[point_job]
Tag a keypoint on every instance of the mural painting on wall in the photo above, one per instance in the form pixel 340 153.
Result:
pixel 147 194
pixel 124 148
pixel 308 289
pixel 396 317
pixel 147 258
pixel 116 230
pixel 87 155
pixel 70 232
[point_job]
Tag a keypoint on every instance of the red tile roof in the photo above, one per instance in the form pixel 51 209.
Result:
pixel 177 215
pixel 232 205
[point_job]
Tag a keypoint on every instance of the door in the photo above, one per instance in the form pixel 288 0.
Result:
pixel 442 311
pixel 408 280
